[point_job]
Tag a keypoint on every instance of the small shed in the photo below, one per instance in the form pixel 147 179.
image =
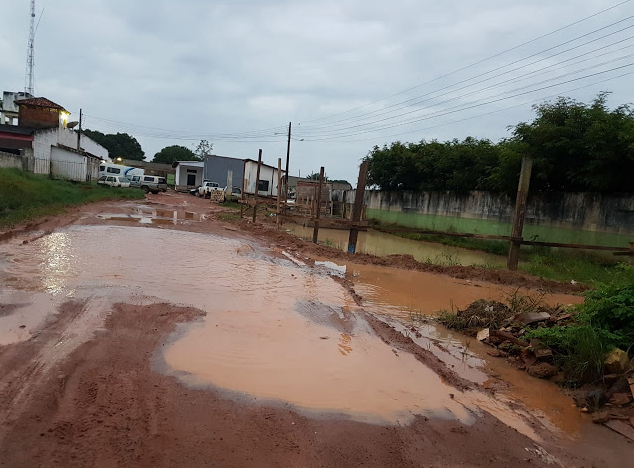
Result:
pixel 189 174
pixel 267 184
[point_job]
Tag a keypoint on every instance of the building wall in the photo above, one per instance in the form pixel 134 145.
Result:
pixel 68 165
pixel 266 173
pixel 68 137
pixel 13 160
pixel 38 117
pixel 182 171
pixel 582 218
pixel 217 167
pixel 43 140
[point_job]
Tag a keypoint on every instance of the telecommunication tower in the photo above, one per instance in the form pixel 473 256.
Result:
pixel 30 54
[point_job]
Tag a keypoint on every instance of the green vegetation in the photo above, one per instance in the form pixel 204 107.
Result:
pixel 228 216
pixel 231 204
pixel 25 196
pixel 575 147
pixel 119 145
pixel 605 320
pixel 172 153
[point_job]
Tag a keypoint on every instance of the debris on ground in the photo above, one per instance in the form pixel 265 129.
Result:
pixel 617 362
pixel 479 314
pixel 621 427
pixel 532 317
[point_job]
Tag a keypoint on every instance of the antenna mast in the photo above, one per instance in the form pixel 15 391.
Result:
pixel 30 57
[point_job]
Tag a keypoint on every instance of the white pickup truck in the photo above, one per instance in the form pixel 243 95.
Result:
pixel 207 187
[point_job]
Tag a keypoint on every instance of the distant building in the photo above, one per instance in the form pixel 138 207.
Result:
pixel 266 184
pixel 38 140
pixel 216 169
pixel 189 174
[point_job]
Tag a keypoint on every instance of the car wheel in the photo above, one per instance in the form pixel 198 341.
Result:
pixel 155 192
pixel 145 188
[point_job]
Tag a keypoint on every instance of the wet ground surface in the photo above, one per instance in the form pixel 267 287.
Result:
pixel 381 244
pixel 215 320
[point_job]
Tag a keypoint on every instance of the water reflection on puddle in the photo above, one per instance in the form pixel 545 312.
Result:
pixel 144 215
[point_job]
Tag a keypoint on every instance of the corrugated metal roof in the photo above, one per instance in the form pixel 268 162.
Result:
pixel 38 102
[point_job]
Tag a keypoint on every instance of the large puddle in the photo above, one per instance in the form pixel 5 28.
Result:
pixel 381 244
pixel 275 330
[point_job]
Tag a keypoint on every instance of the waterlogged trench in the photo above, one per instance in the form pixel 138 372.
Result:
pixel 274 330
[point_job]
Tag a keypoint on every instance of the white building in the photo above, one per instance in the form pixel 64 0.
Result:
pixel 189 174
pixel 267 184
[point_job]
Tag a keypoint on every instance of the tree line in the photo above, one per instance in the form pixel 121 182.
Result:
pixel 125 146
pixel 574 146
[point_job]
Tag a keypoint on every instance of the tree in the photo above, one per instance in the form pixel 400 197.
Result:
pixel 169 154
pixel 119 145
pixel 315 176
pixel 203 149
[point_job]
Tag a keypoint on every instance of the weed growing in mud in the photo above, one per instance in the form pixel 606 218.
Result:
pixel 328 243
pixel 520 303
pixel 444 259
pixel 228 216
pixel 231 204
pixel 479 314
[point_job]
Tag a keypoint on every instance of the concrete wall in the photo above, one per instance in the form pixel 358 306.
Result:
pixel 68 165
pixel 584 218
pixel 217 167
pixel 68 137
pixel 13 160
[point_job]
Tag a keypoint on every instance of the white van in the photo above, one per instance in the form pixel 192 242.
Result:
pixel 110 169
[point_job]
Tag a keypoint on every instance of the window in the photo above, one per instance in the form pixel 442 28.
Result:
pixel 102 178
pixel 263 185
pixel 114 170
pixel 148 179
pixel 110 179
pixel 161 181
pixel 195 171
pixel 102 168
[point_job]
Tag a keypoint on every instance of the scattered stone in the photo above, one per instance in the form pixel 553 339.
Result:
pixel 620 399
pixel 600 418
pixel 617 362
pixel 541 350
pixel 22 326
pixel 596 398
pixel 508 336
pixel 542 370
pixel 483 334
pixel 496 353
pixel 532 317
pixel 585 410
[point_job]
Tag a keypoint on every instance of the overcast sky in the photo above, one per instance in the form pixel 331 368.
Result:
pixel 192 69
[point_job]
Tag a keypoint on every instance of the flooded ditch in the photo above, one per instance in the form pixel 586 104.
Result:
pixel 275 329
pixel 381 244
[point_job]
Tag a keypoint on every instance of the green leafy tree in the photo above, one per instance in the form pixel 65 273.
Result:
pixel 169 154
pixel 119 145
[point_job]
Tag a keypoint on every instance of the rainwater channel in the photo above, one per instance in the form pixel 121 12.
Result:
pixel 276 329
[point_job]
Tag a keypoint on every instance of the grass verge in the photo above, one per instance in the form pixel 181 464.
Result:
pixel 25 196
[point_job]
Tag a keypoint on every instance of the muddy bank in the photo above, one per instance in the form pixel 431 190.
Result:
pixel 104 406
pixel 292 243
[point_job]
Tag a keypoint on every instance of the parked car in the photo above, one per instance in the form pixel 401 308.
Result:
pixel 236 193
pixel 114 181
pixel 148 183
pixel 207 187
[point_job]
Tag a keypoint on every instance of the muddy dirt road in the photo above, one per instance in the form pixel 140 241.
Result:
pixel 154 333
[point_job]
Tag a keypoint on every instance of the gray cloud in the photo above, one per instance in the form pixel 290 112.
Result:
pixel 202 67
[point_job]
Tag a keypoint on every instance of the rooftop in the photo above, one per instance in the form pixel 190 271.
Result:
pixel 38 102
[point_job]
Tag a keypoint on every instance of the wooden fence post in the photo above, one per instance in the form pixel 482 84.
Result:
pixel 279 192
pixel 321 184
pixel 229 188
pixel 358 206
pixel 257 185
pixel 520 212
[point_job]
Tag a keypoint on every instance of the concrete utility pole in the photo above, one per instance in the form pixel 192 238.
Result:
pixel 358 206
pixel 257 185
pixel 279 192
pixel 520 212
pixel 79 133
pixel 319 189
pixel 288 155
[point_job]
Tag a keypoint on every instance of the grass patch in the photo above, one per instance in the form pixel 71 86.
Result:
pixel 484 245
pixel 228 216
pixel 234 205
pixel 26 196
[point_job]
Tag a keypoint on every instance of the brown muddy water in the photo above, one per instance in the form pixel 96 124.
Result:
pixel 148 215
pixel 381 245
pixel 275 329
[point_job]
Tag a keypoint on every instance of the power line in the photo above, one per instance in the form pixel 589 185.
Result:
pixel 474 116
pixel 474 63
pixel 481 104
pixel 332 124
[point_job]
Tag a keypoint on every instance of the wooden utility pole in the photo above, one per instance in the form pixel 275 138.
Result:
pixel 520 212
pixel 279 192
pixel 358 206
pixel 257 184
pixel 288 155
pixel 321 185
pixel 79 133
pixel 243 197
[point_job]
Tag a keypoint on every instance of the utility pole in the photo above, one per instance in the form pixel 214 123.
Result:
pixel 357 209
pixel 30 54
pixel 520 212
pixel 288 155
pixel 79 133
pixel 321 184
pixel 257 185
pixel 279 193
